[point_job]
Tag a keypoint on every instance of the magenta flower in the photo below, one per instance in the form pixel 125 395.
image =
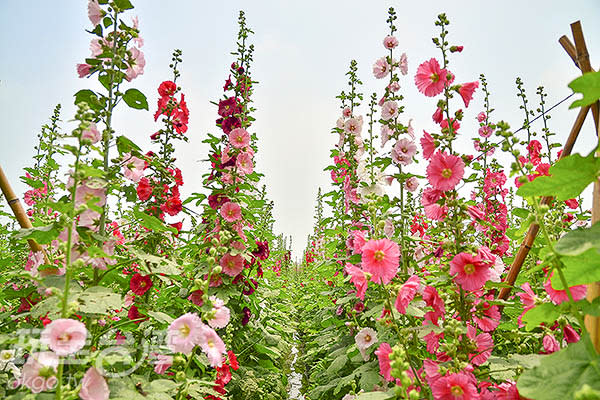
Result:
pixel 239 138
pixel 212 345
pixel 232 265
pixel 428 145
pixel 430 79
pixel 560 296
pixel 390 42
pixel 64 336
pixel 358 278
pixel 528 299
pixel 383 356
pixel 83 70
pixel 183 333
pixel 231 212
pixel 39 372
pixel 93 386
pixel 445 171
pixel 381 68
pixel 380 258
pixel 454 387
pixel 471 272
pixel 484 344
pixel 407 293
pixel 550 344
pixel 433 300
pixel 389 110
pixel 466 91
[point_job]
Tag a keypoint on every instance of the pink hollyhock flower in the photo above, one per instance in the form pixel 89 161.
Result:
pixel 403 64
pixel 365 338
pixel 64 336
pixel 389 110
pixel 135 22
pixel 353 126
pixel 393 87
pixel 93 386
pixel 95 13
pixel 231 212
pixel 244 163
pixel 383 355
pixel 346 112
pixel 550 344
pixel 458 386
pixel 358 241
pixel 571 336
pixel 436 212
pixel 484 344
pixel 386 134
pixel 445 171
pixel 144 189
pixel 133 167
pixel 428 145
pixel 407 293
pixel 381 68
pixel 380 258
pixel 528 299
pixel 481 117
pixel 430 196
pixel 411 184
pixel 390 42
pixel 358 278
pixel 430 79
pixel 466 91
pixel 172 205
pixel 455 125
pixel 221 315
pixel 162 363
pixel 239 138
pixel 491 314
pixel 232 265
pixel 34 261
pixel 432 371
pixel 183 334
pixel 471 272
pixel 137 62
pixel 406 148
pixel 83 70
pixel 91 134
pixel 433 300
pixel 560 296
pixel 39 372
pixel 507 391
pixel 485 131
pixel 212 345
pixel 432 341
pixel 438 115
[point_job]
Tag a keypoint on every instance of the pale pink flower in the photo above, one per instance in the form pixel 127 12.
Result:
pixel 445 171
pixel 88 190
pixel 347 112
pixel 221 315
pixel 411 184
pixel 393 87
pixel 358 278
pixel 139 41
pixel 212 345
pixel 428 145
pixel 380 258
pixel 137 62
pixel 83 70
pixel 410 131
pixel 560 296
pixel 239 138
pixel 407 293
pixel 403 64
pixel 39 372
pixel 381 68
pixel 34 261
pixel 389 110
pixel 383 355
pixel 64 336
pixel 388 228
pixel 231 212
pixel 485 131
pixel 403 151
pixel 386 134
pixel 340 124
pixel 353 126
pixel 91 134
pixel 466 91
pixel 244 163
pixel 162 363
pixel 430 79
pixel 94 386
pixel 232 265
pixel 471 271
pixel 133 167
pixel 390 42
pixel 95 13
pixel 364 339
pixel 183 333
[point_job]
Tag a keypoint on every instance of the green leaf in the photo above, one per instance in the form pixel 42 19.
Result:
pixel 569 177
pixel 560 375
pixel 337 364
pixel 581 269
pixel 521 212
pixel 160 316
pixel 125 145
pixel 135 99
pixel 375 396
pixel 41 234
pixel 99 300
pixel 589 86
pixel 273 353
pixel 89 97
pixel 123 4
pixel 546 312
pixel 151 222
pixel 579 241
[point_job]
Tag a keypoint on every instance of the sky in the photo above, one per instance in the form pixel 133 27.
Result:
pixel 302 52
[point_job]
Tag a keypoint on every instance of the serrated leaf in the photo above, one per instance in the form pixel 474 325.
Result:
pixel 99 300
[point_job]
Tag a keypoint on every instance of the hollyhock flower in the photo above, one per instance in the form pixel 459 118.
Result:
pixel 528 299
pixel 484 344
pixel 262 250
pixel 550 344
pixel 95 13
pixel 358 278
pixel 239 138
pixel 390 42
pixel 381 68
pixel 560 296
pixel 432 371
pixel 244 163
pixel 466 91
pixel 246 316
pixel 389 110
pixel 428 145
pixel 572 203
pixel 163 363
pixel 140 284
pixel 346 112
pixel 232 265
pixel 454 387
pixel 436 212
pixel 353 126
pixel 411 184
pixel 221 315
pixel 184 333
pixel 386 134
pixel 485 131
pixel 430 79
pixel 571 336
pixel 380 258
pixel 144 189
pixel 393 87
pixel 445 124
pixel 231 212
pixel 432 341
pixel 406 148
pixel 365 338
pixel 217 200
pixel 430 196
pixel 64 336
pixel 135 315
pixel 233 362
pixel 94 386
pixel 137 62
pixel 403 64
pixel 481 117
pixel 358 238
pixel 196 297
pixel 212 345
pixel 471 272
pixel 507 391
pixel 172 205
pixel 383 355
pixel 445 171
pixel 433 300
pixel 133 167
pixel 438 115
pixel 39 372
pixel 228 107
pixel 167 89
pixel 486 315
pixel 407 293
pixel 91 134
pixel 83 70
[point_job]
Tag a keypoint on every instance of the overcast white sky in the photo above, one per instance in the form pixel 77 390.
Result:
pixel 303 49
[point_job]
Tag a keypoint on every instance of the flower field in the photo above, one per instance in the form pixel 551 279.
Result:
pixel 433 270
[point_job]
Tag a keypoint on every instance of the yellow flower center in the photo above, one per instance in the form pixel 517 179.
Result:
pixel 367 338
pixel 185 330
pixel 210 343
pixel 469 269
pixel 446 173
pixel 378 255
pixel 457 391
pixel 231 264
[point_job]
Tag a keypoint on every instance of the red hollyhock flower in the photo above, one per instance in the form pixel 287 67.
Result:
pixel 177 225
pixel 217 200
pixel 167 88
pixel 172 206
pixel 233 360
pixel 262 250
pixel 230 124
pixel 144 189
pixel 140 284
pixel 228 107
pixel 134 314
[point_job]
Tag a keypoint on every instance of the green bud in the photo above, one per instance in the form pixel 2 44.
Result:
pixel 180 376
pixel 217 269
